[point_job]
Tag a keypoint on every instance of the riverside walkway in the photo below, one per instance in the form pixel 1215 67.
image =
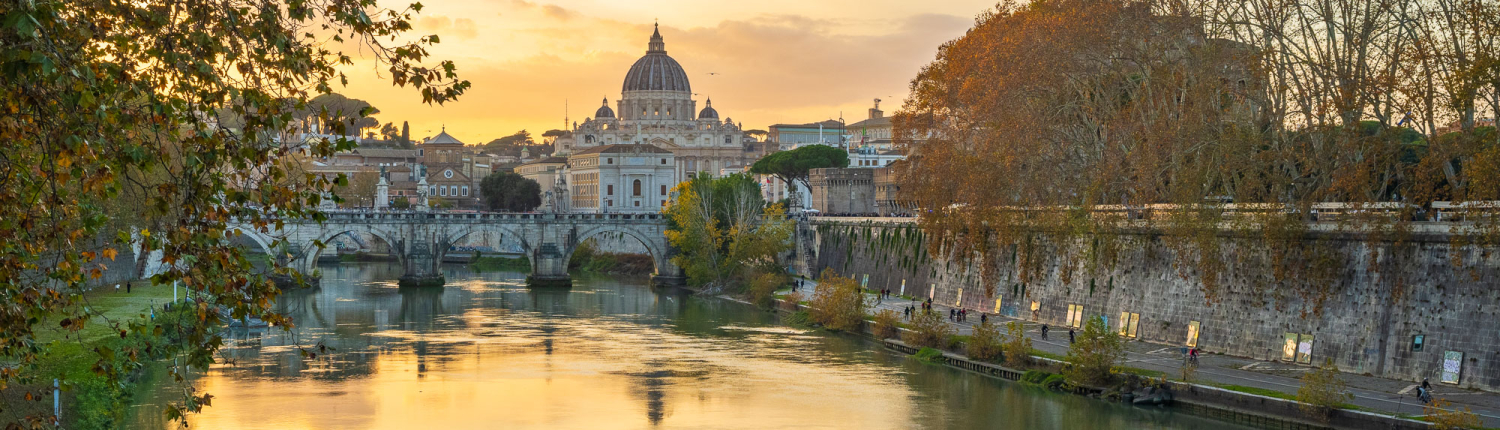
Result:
pixel 1373 394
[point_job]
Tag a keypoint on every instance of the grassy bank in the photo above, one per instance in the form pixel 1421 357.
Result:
pixel 500 264
pixel 77 358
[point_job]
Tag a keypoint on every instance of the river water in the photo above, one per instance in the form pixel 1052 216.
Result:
pixel 486 352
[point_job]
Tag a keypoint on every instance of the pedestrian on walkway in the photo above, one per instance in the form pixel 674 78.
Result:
pixel 127 287
pixel 1044 331
pixel 984 317
pixel 1070 336
pixel 952 315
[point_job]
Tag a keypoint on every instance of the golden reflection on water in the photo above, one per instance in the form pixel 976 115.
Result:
pixel 485 352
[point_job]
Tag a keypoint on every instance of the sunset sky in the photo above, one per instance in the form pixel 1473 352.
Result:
pixel 777 61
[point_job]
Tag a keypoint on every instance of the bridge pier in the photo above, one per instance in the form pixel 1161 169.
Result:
pixel 423 250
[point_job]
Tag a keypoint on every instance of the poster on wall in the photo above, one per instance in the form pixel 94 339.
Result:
pixel 903 288
pixel 960 302
pixel 1453 362
pixel 997 304
pixel 864 282
pixel 1192 339
pixel 1289 349
pixel 1304 349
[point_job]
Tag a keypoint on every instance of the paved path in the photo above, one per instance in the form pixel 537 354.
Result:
pixel 1372 393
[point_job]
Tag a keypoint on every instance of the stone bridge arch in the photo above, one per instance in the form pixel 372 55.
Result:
pixel 305 259
pixel 654 241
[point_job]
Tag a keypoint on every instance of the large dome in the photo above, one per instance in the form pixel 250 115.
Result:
pixel 656 71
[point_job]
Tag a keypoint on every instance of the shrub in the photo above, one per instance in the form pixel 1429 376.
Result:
pixel 1034 377
pixel 762 289
pixel 929 356
pixel 1094 354
pixel 927 329
pixel 886 323
pixel 1322 391
pixel 1055 382
pixel 984 344
pixel 838 303
pixel 1017 347
pixel 791 302
pixel 1444 416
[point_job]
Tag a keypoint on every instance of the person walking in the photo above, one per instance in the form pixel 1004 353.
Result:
pixel 127 287
pixel 984 318
pixel 1070 336
pixel 1044 331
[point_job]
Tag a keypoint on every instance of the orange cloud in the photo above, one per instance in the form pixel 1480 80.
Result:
pixel 770 67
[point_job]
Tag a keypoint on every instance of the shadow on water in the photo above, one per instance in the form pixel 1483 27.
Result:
pixel 486 352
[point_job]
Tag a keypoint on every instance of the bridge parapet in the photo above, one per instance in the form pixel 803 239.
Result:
pixel 420 239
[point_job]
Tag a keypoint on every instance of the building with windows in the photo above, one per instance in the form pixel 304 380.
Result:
pixel 843 191
pixel 656 108
pixel 621 178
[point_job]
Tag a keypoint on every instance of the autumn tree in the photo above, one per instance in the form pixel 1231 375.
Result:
pixel 724 230
pixel 1094 354
pixel 1080 117
pixel 838 303
pixel 793 167
pixel 190 99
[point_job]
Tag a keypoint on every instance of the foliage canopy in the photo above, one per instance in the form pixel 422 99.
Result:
pixel 147 126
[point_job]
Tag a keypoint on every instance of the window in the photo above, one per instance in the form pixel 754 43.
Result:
pixel 609 190
pixel 1075 316
pixel 442 191
pixel 466 190
pixel 664 190
pixel 1129 322
pixel 1416 343
pixel 637 203
pixel 664 161
pixel 635 189
pixel 1193 327
pixel 609 161
pixel 453 190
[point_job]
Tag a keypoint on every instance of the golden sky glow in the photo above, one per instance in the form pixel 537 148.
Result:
pixel 777 61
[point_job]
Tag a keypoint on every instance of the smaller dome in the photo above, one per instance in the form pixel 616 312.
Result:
pixel 604 111
pixel 708 111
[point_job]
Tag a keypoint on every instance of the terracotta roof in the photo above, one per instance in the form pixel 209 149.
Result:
pixel 548 160
pixel 625 148
pixel 444 137
pixel 385 153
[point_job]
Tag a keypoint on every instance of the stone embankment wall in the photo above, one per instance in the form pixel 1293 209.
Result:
pixel 1364 308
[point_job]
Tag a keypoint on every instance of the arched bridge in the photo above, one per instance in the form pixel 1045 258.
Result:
pixel 420 239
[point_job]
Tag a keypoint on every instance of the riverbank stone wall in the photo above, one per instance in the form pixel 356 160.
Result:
pixel 1403 315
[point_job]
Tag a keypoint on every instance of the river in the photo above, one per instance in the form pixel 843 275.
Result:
pixel 486 352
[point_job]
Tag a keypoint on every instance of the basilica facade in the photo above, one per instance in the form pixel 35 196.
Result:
pixel 656 107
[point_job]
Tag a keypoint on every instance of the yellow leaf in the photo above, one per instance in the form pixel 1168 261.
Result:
pixel 110 253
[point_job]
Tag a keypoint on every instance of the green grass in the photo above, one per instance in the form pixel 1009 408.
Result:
pixel 500 264
pixel 1045 354
pixel 929 356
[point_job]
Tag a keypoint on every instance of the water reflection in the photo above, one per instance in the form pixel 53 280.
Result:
pixel 610 353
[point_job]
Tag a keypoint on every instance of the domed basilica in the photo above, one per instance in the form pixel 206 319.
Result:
pixel 656 107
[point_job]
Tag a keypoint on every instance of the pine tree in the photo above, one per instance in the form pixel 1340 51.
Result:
pixel 405 135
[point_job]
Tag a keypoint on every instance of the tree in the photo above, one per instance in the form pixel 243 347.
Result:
pixel 1322 391
pixel 359 189
pixel 724 231
pixel 100 97
pixel 551 136
pixel 1017 347
pixel 1094 354
pixel 510 192
pixel 405 135
pixel 927 329
pixel 984 344
pixel 838 303
pixel 389 132
pixel 792 167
